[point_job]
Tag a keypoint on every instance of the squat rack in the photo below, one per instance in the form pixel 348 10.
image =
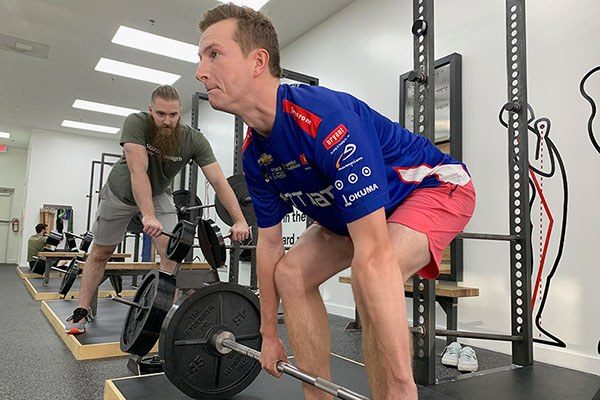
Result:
pixel 424 327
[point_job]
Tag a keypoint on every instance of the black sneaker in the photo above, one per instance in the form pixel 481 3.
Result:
pixel 76 322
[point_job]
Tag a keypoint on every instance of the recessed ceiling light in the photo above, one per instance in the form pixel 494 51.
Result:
pixel 254 4
pixel 5 135
pixel 136 72
pixel 156 44
pixel 103 108
pixel 89 127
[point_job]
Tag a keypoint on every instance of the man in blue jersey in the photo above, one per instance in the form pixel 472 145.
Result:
pixel 386 201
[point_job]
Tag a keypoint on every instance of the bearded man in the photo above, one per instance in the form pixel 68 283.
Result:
pixel 156 147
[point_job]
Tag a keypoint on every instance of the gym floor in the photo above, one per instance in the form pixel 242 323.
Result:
pixel 37 365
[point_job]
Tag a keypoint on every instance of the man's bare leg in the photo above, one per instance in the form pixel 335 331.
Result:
pixel 93 272
pixel 161 243
pixel 317 256
pixel 412 253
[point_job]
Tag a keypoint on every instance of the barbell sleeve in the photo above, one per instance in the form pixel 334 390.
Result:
pixel 289 369
pixel 127 302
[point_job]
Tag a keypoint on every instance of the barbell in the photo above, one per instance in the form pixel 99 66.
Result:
pixel 185 203
pixel 208 340
pixel 155 295
pixel 212 243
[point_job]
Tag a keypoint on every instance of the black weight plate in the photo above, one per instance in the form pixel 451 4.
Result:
pixel 179 246
pixel 54 239
pixel 71 242
pixel 150 365
pixel 69 277
pixel 142 326
pixel 211 243
pixel 181 198
pixel 190 361
pixel 135 224
pixel 238 184
pixel 88 238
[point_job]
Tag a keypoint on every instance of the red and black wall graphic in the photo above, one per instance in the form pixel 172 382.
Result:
pixel 548 204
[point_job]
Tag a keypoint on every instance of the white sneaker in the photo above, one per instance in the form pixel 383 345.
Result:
pixel 467 360
pixel 450 354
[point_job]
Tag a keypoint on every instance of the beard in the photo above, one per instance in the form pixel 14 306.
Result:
pixel 165 139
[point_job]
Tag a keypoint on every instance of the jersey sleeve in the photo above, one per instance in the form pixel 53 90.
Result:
pixel 204 154
pixel 351 157
pixel 134 130
pixel 268 206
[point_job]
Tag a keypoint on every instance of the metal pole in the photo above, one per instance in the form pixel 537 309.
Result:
pixel 420 331
pixel 518 173
pixel 320 383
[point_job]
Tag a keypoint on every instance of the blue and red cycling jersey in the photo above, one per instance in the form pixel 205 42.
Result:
pixel 335 159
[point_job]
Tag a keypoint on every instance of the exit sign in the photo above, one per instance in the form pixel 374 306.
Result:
pixel 3 148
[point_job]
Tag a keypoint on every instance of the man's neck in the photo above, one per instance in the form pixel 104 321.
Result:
pixel 261 116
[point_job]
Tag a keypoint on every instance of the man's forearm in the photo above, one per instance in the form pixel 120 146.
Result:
pixel 142 193
pixel 266 259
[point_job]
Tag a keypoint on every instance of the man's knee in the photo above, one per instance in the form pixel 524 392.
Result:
pixel 288 279
pixel 101 254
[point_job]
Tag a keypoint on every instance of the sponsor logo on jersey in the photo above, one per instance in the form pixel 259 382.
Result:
pixel 348 151
pixel 352 178
pixel 306 120
pixel 265 159
pixel 303 159
pixel 301 200
pixel 335 136
pixel 348 201
pixel 291 165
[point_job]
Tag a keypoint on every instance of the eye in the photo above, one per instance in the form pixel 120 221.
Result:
pixel 214 54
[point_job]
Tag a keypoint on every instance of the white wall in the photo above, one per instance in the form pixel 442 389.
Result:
pixel 58 172
pixel 363 50
pixel 13 164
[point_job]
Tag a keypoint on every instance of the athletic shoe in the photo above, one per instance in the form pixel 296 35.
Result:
pixel 450 354
pixel 467 360
pixel 76 322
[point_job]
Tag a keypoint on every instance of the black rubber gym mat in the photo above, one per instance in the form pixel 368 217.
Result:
pixel 265 387
pixel 105 328
pixel 540 382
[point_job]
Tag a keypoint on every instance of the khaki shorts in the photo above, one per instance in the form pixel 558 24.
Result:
pixel 113 216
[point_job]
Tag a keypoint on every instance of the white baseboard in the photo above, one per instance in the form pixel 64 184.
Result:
pixel 543 353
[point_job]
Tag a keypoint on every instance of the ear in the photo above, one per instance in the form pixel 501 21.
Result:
pixel 150 108
pixel 261 61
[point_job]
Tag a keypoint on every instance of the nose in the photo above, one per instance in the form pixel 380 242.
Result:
pixel 201 72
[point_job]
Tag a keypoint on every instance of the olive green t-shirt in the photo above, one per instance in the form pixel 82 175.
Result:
pixel 35 244
pixel 161 169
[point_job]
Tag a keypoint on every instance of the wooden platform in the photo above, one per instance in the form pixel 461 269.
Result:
pixel 135 266
pixel 40 291
pixel 25 272
pixel 444 289
pixel 265 387
pixel 102 338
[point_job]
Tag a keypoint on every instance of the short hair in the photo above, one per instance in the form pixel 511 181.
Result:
pixel 165 92
pixel 40 227
pixel 254 30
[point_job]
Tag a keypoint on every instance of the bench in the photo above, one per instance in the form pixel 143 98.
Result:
pixel 446 294
pixel 49 257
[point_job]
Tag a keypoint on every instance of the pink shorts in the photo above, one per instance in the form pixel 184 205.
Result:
pixel 440 213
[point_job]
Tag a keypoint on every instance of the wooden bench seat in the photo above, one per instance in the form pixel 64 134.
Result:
pixel 146 266
pixel 446 294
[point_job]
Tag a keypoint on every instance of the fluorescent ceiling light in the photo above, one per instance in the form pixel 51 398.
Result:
pixel 89 127
pixel 5 135
pixel 156 44
pixel 136 72
pixel 103 108
pixel 254 4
